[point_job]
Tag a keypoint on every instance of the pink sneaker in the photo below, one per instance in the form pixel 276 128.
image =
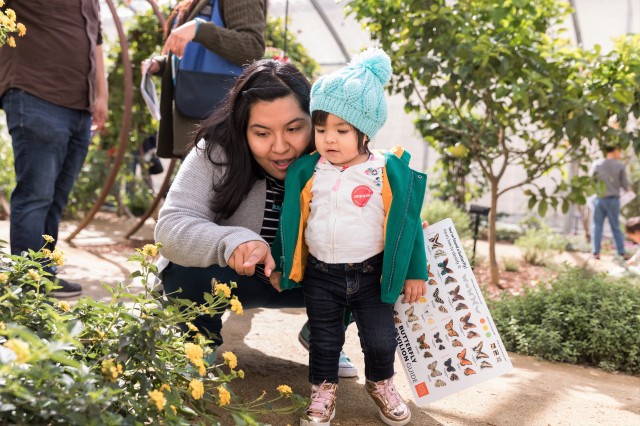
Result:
pixel 323 405
pixel 392 408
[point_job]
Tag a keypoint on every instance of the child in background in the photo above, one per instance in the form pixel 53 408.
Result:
pixel 350 233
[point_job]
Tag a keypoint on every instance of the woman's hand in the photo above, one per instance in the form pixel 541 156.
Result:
pixel 275 280
pixel 179 37
pixel 247 255
pixel 151 66
pixel 414 290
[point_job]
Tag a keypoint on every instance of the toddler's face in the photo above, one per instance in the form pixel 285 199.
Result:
pixel 337 141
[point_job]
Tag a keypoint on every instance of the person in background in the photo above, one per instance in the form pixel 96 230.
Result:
pixel 633 232
pixel 611 172
pixel 240 41
pixel 360 243
pixel 53 89
pixel 221 214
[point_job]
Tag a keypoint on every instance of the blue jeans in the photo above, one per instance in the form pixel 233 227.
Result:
pixel 252 292
pixel 50 143
pixel 331 289
pixel 608 207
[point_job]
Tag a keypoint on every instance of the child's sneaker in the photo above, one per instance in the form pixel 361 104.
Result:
pixel 323 405
pixel 392 408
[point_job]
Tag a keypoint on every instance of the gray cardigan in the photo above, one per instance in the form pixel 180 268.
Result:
pixel 186 227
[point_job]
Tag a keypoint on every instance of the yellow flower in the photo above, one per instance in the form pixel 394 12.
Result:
pixel 64 306
pixel 22 30
pixel 46 252
pixel 197 388
pixel 10 14
pixel 111 370
pixel 173 408
pixel 1 3
pixel 150 250
pixel 48 238
pixel 224 396
pixel 3 278
pixel 194 352
pixel 192 327
pixel 222 288
pixel 241 374
pixel 165 387
pixel 34 275
pixel 57 257
pixel 236 306
pixel 158 397
pixel 11 42
pixel 231 359
pixel 285 390
pixel 20 348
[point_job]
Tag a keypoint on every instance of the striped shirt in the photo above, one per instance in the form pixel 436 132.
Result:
pixel 272 210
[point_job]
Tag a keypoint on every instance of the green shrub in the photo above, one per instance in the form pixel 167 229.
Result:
pixel 436 210
pixel 537 245
pixel 582 318
pixel 510 264
pixel 125 361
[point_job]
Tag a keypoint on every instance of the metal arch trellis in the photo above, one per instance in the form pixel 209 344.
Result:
pixel 126 116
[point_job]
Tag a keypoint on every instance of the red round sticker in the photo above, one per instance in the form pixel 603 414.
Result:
pixel 361 195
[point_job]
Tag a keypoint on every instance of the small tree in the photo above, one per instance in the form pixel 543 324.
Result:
pixel 489 77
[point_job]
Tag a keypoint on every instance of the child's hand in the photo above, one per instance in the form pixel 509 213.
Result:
pixel 414 290
pixel 275 280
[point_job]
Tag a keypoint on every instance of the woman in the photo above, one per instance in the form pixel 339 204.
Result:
pixel 240 41
pixel 223 209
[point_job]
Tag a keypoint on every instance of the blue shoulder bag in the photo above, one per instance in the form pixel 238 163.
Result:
pixel 203 77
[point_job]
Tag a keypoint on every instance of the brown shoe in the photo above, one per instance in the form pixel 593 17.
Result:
pixel 323 405
pixel 596 256
pixel 392 408
pixel 626 256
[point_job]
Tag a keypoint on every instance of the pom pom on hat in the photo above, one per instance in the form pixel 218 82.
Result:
pixel 355 93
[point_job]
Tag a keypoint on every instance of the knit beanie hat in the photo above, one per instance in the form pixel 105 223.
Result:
pixel 355 93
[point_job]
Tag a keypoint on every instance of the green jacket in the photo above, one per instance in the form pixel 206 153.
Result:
pixel 404 252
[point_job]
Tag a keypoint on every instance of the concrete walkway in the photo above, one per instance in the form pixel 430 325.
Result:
pixel 265 341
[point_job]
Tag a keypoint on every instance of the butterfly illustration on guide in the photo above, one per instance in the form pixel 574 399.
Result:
pixel 416 327
pixel 445 269
pixel 432 282
pixel 460 306
pixel 437 337
pixel 456 342
pixel 450 368
pixel 423 344
pixel 435 242
pixel 469 371
pixel 429 271
pixel 453 377
pixel 443 309
pixel 485 364
pixel 432 368
pixel 440 253
pixel 396 320
pixel 456 294
pixel 466 324
pixel 462 357
pixel 441 347
pixel 440 383
pixel 472 335
pixel 449 327
pixel 478 350
pixel 450 280
pixel 427 354
pixel 436 296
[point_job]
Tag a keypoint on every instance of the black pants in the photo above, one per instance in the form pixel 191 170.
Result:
pixel 252 292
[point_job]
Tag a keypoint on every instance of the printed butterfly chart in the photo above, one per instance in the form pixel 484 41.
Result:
pixel 448 341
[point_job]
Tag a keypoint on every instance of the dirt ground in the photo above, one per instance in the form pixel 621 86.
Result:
pixel 265 342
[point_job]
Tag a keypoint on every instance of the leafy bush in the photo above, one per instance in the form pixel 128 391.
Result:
pixel 537 245
pixel 122 362
pixel 510 264
pixel 436 210
pixel 581 317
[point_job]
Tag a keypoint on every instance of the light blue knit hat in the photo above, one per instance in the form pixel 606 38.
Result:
pixel 355 93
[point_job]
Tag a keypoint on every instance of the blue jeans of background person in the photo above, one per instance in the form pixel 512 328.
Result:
pixel 252 292
pixel 331 289
pixel 50 143
pixel 608 207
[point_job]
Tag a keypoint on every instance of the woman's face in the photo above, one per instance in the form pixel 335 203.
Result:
pixel 278 132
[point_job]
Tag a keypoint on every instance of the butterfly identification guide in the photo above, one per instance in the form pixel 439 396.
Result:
pixel 448 341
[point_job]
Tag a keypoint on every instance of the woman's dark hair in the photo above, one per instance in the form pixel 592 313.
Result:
pixel 319 118
pixel 263 80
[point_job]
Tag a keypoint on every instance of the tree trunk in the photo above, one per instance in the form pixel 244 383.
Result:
pixel 493 261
